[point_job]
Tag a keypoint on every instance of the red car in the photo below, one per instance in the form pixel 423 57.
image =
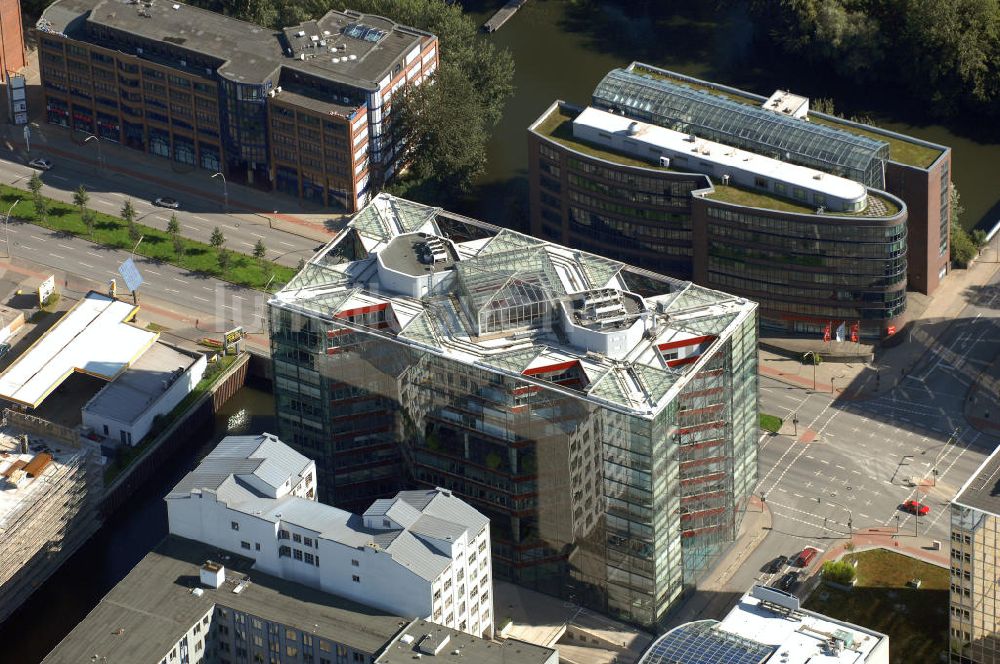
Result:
pixel 806 556
pixel 916 507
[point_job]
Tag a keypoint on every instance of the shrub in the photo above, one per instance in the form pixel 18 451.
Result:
pixel 840 571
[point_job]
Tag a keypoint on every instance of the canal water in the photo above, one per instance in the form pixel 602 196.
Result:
pixel 562 49
pixel 76 588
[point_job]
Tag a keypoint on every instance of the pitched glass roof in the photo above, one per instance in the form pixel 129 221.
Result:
pixel 515 360
pixel 701 643
pixel 516 276
pixel 682 108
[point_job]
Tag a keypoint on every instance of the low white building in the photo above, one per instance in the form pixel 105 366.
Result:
pixel 421 554
pixel 768 626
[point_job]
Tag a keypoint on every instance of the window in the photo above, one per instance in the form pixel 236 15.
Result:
pixel 291 635
pixel 282 534
pixel 234 525
pixel 297 554
pixel 307 541
pixel 296 537
pixel 308 558
pixel 355 563
pixel 245 545
pixel 284 551
pixel 256 546
pixel 355 578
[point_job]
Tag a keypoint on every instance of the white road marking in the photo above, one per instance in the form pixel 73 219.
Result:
pixel 257 234
pixel 199 298
pixel 62 258
pixel 201 218
pixel 35 237
pixel 59 177
pixel 151 271
pixel 85 265
pixel 26 247
pixel 285 243
pixel 64 246
pixel 91 253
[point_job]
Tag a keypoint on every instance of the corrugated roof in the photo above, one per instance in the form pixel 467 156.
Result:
pixel 418 556
pixel 446 506
pixel 262 456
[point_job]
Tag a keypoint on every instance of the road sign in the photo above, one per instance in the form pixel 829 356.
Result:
pixel 234 334
pixel 45 289
pixel 130 273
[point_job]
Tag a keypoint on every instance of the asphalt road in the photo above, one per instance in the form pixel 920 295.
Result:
pixel 186 293
pixel 858 461
pixel 108 191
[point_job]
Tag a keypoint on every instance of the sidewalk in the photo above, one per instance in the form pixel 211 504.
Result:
pixel 865 380
pixel 712 599
pixel 292 215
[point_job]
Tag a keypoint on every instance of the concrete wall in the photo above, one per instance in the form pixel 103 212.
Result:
pixel 162 406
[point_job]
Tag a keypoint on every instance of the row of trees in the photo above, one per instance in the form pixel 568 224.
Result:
pixel 943 52
pixel 445 126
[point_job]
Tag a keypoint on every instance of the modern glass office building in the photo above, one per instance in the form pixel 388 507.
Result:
pixel 819 219
pixel 602 416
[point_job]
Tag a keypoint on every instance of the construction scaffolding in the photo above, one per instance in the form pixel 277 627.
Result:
pixel 43 519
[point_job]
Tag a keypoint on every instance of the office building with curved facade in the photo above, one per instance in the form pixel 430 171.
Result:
pixel 679 176
pixel 603 417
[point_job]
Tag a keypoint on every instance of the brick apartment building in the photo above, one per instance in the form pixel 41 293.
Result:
pixel 301 111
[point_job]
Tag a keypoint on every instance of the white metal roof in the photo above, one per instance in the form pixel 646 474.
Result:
pixel 702 150
pixel 800 637
pixel 93 338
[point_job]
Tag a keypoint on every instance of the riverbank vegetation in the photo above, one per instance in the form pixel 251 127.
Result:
pixel 944 53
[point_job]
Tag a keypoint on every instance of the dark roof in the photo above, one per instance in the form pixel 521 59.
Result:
pixel 420 638
pixel 154 607
pixel 248 53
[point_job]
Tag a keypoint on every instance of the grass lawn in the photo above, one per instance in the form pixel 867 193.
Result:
pixel 915 620
pixel 770 422
pixel 111 231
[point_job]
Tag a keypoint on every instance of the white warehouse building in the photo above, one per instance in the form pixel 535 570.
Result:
pixel 421 554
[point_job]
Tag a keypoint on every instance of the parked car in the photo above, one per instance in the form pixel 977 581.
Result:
pixel 167 202
pixel 4 349
pixel 806 556
pixel 916 507
pixel 775 565
pixel 40 164
pixel 788 580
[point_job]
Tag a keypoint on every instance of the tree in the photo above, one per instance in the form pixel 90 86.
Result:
pixel 259 250
pixel 218 239
pixel 88 221
pixel 133 231
pixel 128 211
pixel 81 198
pixel 41 208
pixel 963 248
pixel 446 150
pixel 178 245
pixel 35 185
pixel 224 260
pixel 173 226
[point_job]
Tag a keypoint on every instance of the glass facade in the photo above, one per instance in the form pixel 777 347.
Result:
pixel 590 497
pixel 646 94
pixel 974 599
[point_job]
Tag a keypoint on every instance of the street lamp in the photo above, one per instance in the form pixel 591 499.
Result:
pixel 225 191
pixel 6 226
pixel 100 155
pixel 850 515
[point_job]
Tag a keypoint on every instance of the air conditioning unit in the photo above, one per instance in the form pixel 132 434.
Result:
pixel 665 162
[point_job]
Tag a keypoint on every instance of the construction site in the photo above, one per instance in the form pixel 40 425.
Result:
pixel 49 491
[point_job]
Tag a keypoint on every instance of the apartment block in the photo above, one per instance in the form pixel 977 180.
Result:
pixel 421 554
pixel 974 604
pixel 182 604
pixel 301 111
pixel 601 416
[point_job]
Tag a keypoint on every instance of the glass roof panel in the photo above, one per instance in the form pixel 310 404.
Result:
pixel 325 304
pixel 370 223
pixel 599 270
pixel 517 360
pixel 703 643
pixel 411 216
pixel 611 388
pixel 420 330
pixel 655 381
pixel 507 240
pixel 680 107
pixel 704 325
pixel 488 277
pixel 313 275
